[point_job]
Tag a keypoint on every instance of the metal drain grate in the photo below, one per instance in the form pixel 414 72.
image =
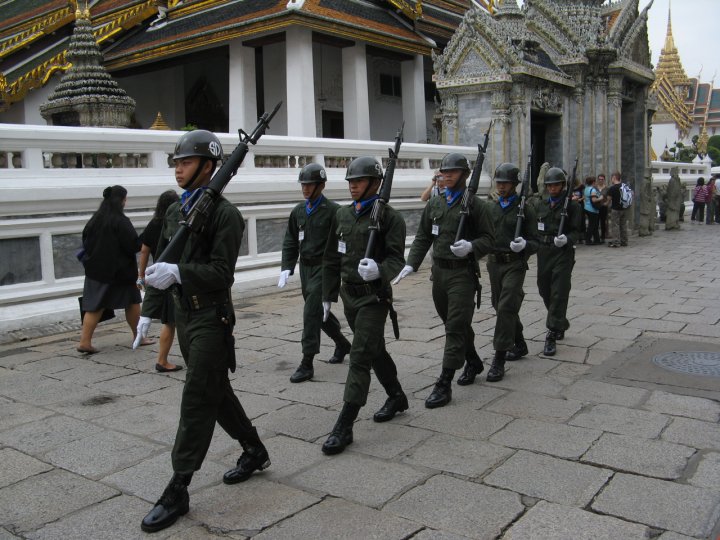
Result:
pixel 702 363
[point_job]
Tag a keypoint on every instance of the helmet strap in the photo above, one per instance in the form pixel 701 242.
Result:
pixel 313 193
pixel 190 183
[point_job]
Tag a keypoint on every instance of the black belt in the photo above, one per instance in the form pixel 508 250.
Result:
pixel 311 261
pixel 547 239
pixel 365 289
pixel 201 301
pixel 504 257
pixel 451 264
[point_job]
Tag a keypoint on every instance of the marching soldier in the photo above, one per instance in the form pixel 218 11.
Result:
pixel 455 272
pixel 556 255
pixel 205 318
pixel 506 266
pixel 305 238
pixel 364 286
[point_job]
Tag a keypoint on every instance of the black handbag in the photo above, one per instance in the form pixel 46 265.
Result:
pixel 107 314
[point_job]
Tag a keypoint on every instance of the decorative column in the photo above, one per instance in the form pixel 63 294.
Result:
pixel 299 82
pixel 356 104
pixel 614 125
pixel 413 99
pixel 243 98
pixel 499 144
pixel 449 108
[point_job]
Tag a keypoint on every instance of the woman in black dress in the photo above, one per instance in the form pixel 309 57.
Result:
pixel 110 242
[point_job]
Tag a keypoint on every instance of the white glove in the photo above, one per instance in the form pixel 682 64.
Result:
pixel 405 272
pixel 518 244
pixel 461 248
pixel 161 275
pixel 284 276
pixel 368 270
pixel 326 310
pixel 143 328
pixel 560 241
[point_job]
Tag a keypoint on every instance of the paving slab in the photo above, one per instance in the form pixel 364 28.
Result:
pixel 17 466
pixel 386 440
pixel 662 504
pixel 600 392
pixel 701 435
pixel 707 474
pixel 462 421
pixel 95 405
pixel 338 519
pixel 147 420
pixel 467 508
pixel 548 520
pixel 341 475
pixel 549 478
pixel 622 420
pixel 679 405
pixel 299 420
pixel 538 407
pixel 41 436
pixel 15 414
pixel 548 438
pixel 22 508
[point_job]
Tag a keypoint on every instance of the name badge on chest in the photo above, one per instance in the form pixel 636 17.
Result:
pixel 435 229
pixel 301 236
pixel 541 226
pixel 342 247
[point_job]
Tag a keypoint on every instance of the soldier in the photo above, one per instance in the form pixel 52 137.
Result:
pixel 366 294
pixel 556 255
pixel 506 266
pixel 305 237
pixel 455 272
pixel 205 318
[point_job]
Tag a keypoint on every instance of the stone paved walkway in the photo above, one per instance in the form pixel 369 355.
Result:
pixel 595 443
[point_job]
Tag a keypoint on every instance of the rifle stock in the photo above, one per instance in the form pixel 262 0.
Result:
pixel 472 186
pixel 383 195
pixel 204 207
pixel 523 197
pixel 566 200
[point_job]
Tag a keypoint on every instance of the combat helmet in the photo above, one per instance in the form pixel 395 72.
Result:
pixel 198 142
pixel 507 172
pixel 312 173
pixel 555 175
pixel 454 161
pixel 364 167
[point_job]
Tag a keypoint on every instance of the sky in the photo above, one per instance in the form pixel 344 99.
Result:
pixel 695 27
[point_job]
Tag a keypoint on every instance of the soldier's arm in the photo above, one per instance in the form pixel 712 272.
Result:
pixel 423 240
pixel 484 228
pixel 331 265
pixel 394 256
pixel 291 245
pixel 530 232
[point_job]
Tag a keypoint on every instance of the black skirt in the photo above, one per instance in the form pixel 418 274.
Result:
pixel 98 295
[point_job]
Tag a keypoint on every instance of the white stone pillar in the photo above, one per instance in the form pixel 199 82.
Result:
pixel 356 105
pixel 241 80
pixel 413 99
pixel 300 104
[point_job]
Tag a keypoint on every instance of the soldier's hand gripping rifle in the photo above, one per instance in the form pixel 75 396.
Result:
pixel 378 208
pixel 523 197
pixel 472 186
pixel 203 208
pixel 566 200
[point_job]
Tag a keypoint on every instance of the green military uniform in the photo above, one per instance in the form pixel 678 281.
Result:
pixel 455 280
pixel 366 304
pixel 305 239
pixel 507 270
pixel 555 264
pixel 205 319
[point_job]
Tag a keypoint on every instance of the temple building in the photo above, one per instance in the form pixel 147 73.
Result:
pixel 565 78
pixel 349 69
pixel 686 106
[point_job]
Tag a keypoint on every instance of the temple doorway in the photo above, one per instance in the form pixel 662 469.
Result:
pixel 546 141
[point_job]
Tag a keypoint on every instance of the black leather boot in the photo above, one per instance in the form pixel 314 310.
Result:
pixel 173 503
pixel 550 345
pixel 396 402
pixel 559 335
pixel 473 367
pixel 254 458
pixel 497 370
pixel 519 350
pixel 442 392
pixel 341 349
pixel 305 370
pixel 342 434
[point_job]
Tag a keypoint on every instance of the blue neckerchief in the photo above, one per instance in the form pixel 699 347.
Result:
pixel 452 196
pixel 189 198
pixel 310 206
pixel 361 206
pixel 554 200
pixel 506 201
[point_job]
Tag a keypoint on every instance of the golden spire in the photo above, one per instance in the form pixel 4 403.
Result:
pixel 669 61
pixel 702 141
pixel 160 124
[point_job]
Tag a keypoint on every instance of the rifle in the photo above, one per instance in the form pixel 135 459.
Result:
pixel 204 206
pixel 523 196
pixel 383 196
pixel 566 201
pixel 472 186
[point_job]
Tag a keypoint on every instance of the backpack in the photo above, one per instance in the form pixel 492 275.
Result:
pixel 626 195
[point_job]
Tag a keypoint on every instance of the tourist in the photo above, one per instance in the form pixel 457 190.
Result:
pixel 618 214
pixel 603 210
pixel 556 256
pixel 436 187
pixel 592 200
pixel 455 272
pixel 205 318
pixel 110 243
pixel 364 286
pixel 699 198
pixel 158 304
pixel 305 238
pixel 578 192
pixel 711 209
